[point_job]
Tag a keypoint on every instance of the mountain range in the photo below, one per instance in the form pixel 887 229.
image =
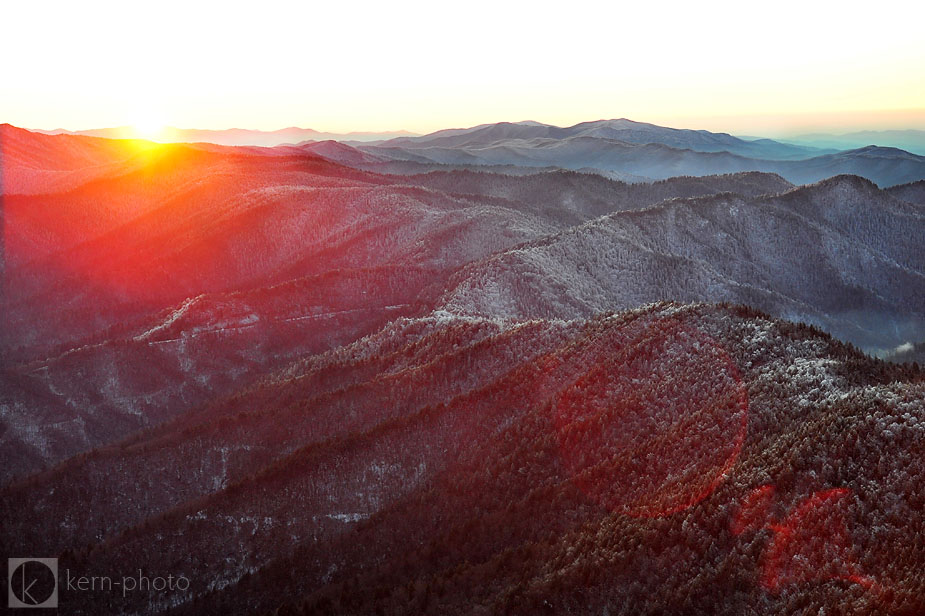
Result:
pixel 287 242
pixel 467 372
pixel 910 140
pixel 641 152
pixel 235 136
pixel 623 130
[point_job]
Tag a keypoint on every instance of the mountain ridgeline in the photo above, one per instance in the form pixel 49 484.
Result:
pixel 467 372
pixel 840 254
pixel 642 152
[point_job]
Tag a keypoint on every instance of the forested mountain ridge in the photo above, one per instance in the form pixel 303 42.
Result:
pixel 499 488
pixel 840 253
pixel 913 192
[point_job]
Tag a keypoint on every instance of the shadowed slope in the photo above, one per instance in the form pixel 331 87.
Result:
pixel 429 457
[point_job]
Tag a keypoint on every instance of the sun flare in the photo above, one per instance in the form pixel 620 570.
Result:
pixel 148 126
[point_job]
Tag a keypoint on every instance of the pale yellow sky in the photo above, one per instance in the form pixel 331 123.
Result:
pixel 750 68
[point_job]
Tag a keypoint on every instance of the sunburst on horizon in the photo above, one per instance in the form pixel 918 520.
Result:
pixel 148 125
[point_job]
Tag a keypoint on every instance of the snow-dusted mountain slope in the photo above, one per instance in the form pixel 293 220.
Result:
pixel 841 254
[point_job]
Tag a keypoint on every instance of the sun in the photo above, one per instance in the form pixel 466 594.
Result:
pixel 148 126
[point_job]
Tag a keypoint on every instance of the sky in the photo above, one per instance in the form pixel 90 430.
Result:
pixel 765 69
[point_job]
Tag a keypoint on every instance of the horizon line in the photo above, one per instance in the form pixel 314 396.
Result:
pixel 841 132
